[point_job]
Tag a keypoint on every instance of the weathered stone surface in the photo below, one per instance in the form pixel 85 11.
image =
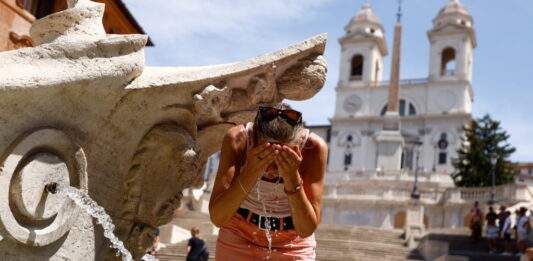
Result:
pixel 81 109
pixel 304 79
pixel 29 214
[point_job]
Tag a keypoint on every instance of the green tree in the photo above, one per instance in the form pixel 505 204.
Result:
pixel 473 168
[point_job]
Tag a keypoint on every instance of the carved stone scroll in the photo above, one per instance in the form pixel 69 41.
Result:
pixel 29 214
pixel 146 131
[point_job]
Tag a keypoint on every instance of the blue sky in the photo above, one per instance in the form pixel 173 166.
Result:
pixel 202 32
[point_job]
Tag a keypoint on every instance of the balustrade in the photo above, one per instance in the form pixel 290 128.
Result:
pixel 510 193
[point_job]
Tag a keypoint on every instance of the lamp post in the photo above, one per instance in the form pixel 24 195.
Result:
pixel 416 194
pixel 493 161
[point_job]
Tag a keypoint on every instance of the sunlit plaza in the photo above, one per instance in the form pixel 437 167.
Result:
pixel 375 130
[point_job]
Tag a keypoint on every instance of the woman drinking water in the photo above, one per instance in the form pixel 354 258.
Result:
pixel 267 194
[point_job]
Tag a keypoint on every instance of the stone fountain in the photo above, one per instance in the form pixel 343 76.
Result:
pixel 80 109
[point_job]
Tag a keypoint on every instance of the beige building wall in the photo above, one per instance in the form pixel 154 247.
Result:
pixel 15 25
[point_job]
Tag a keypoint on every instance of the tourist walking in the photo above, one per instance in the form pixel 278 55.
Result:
pixel 522 230
pixel 501 220
pixel 491 230
pixel 476 222
pixel 196 247
pixel 506 234
pixel 267 195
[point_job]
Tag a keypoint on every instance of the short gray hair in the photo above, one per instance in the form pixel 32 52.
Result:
pixel 276 130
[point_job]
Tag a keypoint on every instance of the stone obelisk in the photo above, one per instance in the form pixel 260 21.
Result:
pixel 389 139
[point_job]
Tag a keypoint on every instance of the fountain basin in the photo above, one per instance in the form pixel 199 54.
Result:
pixel 81 110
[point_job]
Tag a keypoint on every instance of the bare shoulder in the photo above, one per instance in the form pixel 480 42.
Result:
pixel 315 150
pixel 316 144
pixel 315 157
pixel 235 137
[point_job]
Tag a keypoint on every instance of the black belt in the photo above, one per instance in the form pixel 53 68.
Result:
pixel 284 223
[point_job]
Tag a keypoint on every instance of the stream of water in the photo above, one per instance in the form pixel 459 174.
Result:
pixel 267 220
pixel 92 208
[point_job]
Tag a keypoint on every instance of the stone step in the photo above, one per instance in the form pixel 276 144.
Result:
pixel 359 234
pixel 350 230
pixel 374 248
pixel 178 257
pixel 177 251
pixel 361 237
pixel 334 242
pixel 482 256
pixel 385 236
pixel 461 246
pixel 188 223
pixel 361 257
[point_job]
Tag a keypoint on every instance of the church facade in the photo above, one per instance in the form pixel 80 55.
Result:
pixel 377 153
pixel 369 182
pixel 433 109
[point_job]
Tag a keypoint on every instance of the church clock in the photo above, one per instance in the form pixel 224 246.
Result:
pixel 352 104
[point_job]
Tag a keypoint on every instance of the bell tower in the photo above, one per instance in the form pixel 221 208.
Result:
pixel 363 48
pixel 452 41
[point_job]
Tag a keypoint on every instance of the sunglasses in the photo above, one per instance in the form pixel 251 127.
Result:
pixel 292 117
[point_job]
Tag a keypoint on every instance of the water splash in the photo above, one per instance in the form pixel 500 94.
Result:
pixel 267 220
pixel 92 208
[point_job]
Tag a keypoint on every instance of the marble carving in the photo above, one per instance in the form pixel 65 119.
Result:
pixel 81 109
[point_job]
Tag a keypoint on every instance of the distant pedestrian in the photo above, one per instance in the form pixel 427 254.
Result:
pixel 476 222
pixel 491 230
pixel 501 220
pixel 506 233
pixel 522 230
pixel 196 247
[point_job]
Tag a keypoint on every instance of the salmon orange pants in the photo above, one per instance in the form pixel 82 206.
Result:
pixel 240 240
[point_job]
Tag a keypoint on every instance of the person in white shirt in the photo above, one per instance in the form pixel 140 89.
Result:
pixel 522 230
pixel 491 230
pixel 506 233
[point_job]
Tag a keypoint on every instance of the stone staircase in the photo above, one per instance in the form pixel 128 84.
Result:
pixel 187 220
pixel 457 245
pixel 177 251
pixel 335 242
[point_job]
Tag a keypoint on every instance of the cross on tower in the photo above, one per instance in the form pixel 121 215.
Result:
pixel 399 14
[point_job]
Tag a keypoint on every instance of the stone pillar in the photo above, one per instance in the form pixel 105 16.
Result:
pixel 390 144
pixel 394 87
pixel 414 223
pixel 390 140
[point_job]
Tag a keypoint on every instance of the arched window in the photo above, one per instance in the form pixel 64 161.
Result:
pixel 412 110
pixel 406 108
pixel 357 67
pixel 442 147
pixel 447 65
pixel 349 138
